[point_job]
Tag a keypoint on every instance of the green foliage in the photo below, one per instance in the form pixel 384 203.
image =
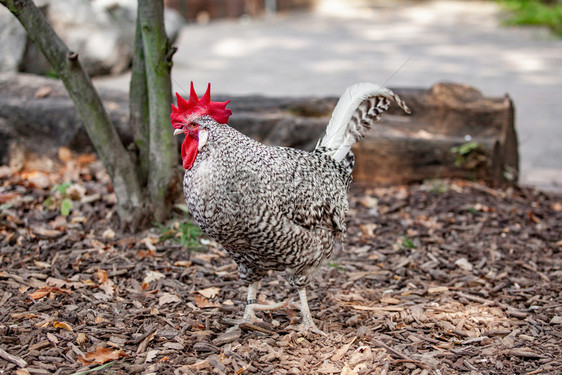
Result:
pixel 407 243
pixel 65 207
pixel 186 233
pixel 97 368
pixel 437 186
pixel 335 265
pixel 51 73
pixel 534 12
pixel 463 151
pixel 59 199
pixel 61 188
pixel 468 155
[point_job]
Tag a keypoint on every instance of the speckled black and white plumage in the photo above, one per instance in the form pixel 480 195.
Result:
pixel 276 208
pixel 272 208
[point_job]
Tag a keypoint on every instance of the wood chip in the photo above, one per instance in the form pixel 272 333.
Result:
pixel 340 353
pixel 12 358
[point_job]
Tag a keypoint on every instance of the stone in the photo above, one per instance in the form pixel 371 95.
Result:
pixel 13 39
pixel 101 32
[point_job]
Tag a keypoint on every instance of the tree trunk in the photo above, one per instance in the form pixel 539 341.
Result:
pixel 138 106
pixel 163 155
pixel 88 105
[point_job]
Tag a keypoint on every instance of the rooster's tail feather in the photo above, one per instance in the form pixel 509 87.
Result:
pixel 360 106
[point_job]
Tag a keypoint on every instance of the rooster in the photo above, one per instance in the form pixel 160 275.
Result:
pixel 273 208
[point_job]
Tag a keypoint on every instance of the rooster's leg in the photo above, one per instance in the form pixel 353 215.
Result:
pixel 249 314
pixel 307 322
pixel 252 304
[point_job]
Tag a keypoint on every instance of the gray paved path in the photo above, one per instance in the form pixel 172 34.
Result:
pixel 322 52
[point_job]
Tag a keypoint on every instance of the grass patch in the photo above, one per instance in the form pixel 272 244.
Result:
pixel 185 233
pixel 535 13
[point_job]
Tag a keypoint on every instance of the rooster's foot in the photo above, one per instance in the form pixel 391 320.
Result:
pixel 307 322
pixel 251 308
pixel 310 327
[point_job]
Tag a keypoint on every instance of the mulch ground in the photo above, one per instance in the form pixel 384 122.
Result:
pixel 444 277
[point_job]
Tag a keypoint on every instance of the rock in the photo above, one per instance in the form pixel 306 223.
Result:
pixel 31 127
pixel 101 32
pixel 13 39
pixel 173 22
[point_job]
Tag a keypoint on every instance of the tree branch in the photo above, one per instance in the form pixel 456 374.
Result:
pixel 88 104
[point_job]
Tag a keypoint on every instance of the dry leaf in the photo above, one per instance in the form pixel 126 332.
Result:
pixel 150 355
pixel 340 353
pixel 100 356
pixel 102 276
pixel 108 287
pixel 36 178
pixel 81 338
pixel 152 276
pixel 209 292
pixel 346 370
pixel 52 281
pixel 368 230
pixel 6 197
pixel 45 233
pixel 108 234
pixel 62 325
pixel 127 241
pixel 42 92
pixel 40 293
pixel 206 257
pixel 40 264
pixel 203 303
pixel 149 242
pixel 65 155
pixel 168 298
pixel 86 159
pixel 5 171
pixel 182 263
pixel 97 244
pixel 24 315
pixel 369 202
pixel 146 253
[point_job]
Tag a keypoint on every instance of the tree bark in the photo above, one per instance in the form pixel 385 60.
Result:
pixel 163 155
pixel 138 106
pixel 88 105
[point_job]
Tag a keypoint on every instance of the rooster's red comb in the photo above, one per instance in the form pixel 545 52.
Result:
pixel 199 107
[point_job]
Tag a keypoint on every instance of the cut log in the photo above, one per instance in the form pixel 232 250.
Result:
pixel 453 131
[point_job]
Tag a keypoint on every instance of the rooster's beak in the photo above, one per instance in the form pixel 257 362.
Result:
pixel 178 131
